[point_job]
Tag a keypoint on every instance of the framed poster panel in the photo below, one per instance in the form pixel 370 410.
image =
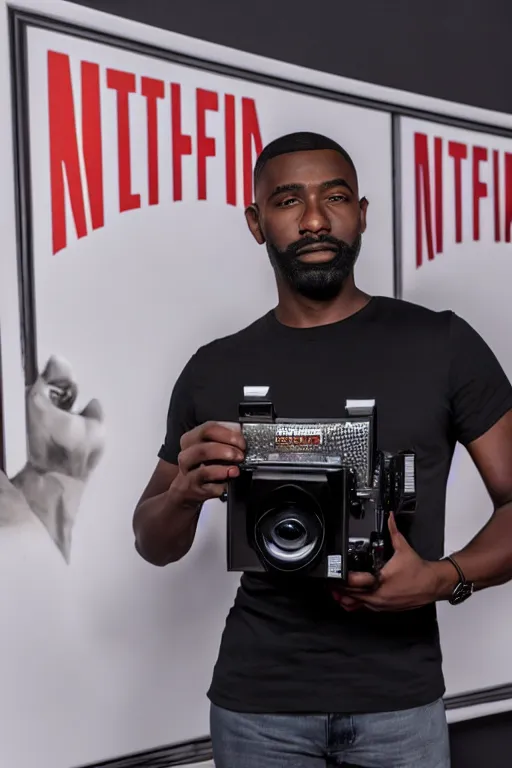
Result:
pixel 134 169
pixel 456 230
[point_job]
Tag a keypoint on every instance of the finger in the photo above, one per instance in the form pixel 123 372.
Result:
pixel 217 432
pixel 379 602
pixel 367 601
pixel 390 608
pixel 340 595
pixel 212 431
pixel 201 453
pixel 350 607
pixel 348 603
pixel 212 491
pixel 397 540
pixel 209 482
pixel 361 581
pixel 209 485
pixel 212 473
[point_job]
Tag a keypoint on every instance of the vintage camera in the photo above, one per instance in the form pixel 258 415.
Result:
pixel 313 497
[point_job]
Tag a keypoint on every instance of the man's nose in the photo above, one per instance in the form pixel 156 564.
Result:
pixel 314 220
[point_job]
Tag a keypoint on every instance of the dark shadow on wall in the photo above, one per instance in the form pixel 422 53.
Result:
pixel 455 51
pixel 184 753
pixel 482 743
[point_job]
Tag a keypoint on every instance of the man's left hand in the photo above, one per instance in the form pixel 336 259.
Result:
pixel 404 583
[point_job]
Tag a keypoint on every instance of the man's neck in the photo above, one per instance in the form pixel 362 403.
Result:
pixel 299 312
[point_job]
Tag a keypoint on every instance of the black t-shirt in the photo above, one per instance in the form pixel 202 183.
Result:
pixel 288 647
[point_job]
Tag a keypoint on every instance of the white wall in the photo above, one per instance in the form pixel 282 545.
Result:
pixel 159 701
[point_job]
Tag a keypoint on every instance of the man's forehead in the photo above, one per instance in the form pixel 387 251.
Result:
pixel 306 167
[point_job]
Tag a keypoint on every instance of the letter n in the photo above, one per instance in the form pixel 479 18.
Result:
pixel 64 150
pixel 423 197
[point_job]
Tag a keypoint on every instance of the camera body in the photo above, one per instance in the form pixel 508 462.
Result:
pixel 313 497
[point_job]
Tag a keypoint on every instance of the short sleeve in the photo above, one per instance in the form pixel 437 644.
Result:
pixel 480 392
pixel 181 413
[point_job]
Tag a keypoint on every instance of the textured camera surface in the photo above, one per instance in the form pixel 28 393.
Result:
pixel 324 443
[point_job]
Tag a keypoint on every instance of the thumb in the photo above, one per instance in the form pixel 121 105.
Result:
pixel 397 539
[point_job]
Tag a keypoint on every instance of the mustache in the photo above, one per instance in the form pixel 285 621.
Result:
pixel 305 242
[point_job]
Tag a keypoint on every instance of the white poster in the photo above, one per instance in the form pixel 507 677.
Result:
pixel 456 244
pixel 140 169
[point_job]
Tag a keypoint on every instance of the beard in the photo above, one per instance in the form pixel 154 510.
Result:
pixel 318 282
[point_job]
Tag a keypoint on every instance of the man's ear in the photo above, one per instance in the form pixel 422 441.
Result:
pixel 363 208
pixel 252 216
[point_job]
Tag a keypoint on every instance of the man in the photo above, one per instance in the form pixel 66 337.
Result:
pixel 307 675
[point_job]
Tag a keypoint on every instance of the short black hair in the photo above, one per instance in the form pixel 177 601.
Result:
pixel 301 141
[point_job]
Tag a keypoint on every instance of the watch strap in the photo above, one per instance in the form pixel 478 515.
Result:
pixel 463 589
pixel 457 567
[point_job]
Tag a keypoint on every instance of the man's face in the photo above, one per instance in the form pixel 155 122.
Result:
pixel 309 215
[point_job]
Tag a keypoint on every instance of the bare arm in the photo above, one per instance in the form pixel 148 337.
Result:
pixel 163 524
pixel 165 519
pixel 487 559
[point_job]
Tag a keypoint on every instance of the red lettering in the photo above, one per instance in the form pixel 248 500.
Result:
pixel 496 178
pixel 67 154
pixel 230 138
pixel 423 201
pixel 479 188
pixel 63 151
pixel 152 90
pixel 459 152
pixel 508 195
pixel 250 133
pixel 205 100
pixel 181 143
pixel 438 159
pixel 91 138
pixel 124 84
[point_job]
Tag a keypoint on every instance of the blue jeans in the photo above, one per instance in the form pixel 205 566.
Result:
pixel 411 738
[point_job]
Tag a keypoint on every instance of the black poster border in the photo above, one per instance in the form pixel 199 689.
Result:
pixel 198 750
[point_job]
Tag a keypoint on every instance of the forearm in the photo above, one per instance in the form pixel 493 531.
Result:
pixel 164 528
pixel 487 559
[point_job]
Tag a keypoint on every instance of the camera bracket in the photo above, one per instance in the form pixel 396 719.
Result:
pixel 256 407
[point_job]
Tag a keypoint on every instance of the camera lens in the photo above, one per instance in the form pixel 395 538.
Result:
pixel 289 534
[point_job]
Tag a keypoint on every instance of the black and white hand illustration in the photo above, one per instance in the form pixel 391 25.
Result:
pixel 63 449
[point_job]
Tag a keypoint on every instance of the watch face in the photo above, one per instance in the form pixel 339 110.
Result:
pixel 461 592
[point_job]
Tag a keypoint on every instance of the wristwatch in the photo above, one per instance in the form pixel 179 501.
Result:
pixel 463 588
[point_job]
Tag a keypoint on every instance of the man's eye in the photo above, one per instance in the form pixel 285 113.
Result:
pixel 286 203
pixel 337 198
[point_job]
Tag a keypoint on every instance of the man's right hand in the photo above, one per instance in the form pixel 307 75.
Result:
pixel 209 457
